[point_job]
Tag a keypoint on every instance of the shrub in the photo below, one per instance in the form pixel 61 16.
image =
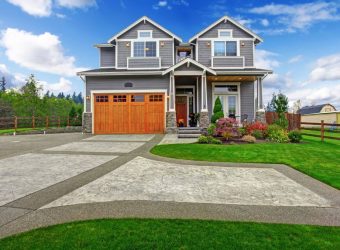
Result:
pixel 295 136
pixel 257 134
pixel 242 131
pixel 211 129
pixel 249 139
pixel 208 140
pixel 229 125
pixel 282 121
pixel 260 127
pixel 218 111
pixel 227 135
pixel 277 134
pixel 203 140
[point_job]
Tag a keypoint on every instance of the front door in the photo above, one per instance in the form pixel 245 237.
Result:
pixel 182 111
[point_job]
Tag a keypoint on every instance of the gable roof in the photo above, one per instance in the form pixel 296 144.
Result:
pixel 188 60
pixel 226 18
pixel 144 18
pixel 313 109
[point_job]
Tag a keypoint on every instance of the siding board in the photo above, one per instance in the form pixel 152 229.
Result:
pixel 107 57
pixel 133 34
pixel 247 99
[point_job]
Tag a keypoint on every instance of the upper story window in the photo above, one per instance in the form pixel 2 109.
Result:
pixel 225 48
pixel 225 33
pixel 144 33
pixel 145 49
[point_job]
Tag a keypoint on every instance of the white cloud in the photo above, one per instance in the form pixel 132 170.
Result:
pixel 265 59
pixel 76 3
pixel 42 52
pixel 295 59
pixel 64 85
pixel 265 22
pixel 38 8
pixel 13 80
pixel 326 69
pixel 162 4
pixel 292 18
pixel 244 21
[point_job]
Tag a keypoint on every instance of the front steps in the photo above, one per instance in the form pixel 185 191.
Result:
pixel 189 132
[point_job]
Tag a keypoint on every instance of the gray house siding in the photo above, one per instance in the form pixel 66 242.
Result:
pixel 166 53
pixel 117 83
pixel 227 62
pixel 237 32
pixel 107 57
pixel 204 53
pixel 123 53
pixel 247 99
pixel 133 34
pixel 148 63
pixel 247 52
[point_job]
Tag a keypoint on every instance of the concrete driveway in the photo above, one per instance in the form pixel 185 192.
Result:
pixel 69 177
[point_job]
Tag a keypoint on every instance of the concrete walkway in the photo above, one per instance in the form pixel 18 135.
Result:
pixel 115 176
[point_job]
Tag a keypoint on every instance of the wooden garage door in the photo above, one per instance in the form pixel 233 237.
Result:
pixel 129 113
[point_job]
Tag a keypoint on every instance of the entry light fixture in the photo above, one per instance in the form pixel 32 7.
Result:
pixel 208 44
pixel 88 97
pixel 127 44
pixel 242 44
pixel 162 44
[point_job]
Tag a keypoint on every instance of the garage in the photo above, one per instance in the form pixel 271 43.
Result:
pixel 129 113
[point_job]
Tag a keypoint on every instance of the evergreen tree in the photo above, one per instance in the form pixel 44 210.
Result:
pixel 30 95
pixel 80 98
pixel 3 84
pixel 47 94
pixel 218 111
pixel 74 97
pixel 73 112
pixel 52 95
pixel 68 97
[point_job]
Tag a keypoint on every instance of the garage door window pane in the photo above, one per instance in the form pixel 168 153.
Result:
pixel 119 98
pixel 137 98
pixel 155 98
pixel 102 98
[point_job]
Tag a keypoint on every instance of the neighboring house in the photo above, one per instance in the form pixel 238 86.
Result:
pixel 148 79
pixel 316 113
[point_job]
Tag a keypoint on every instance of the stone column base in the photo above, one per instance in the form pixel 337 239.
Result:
pixel 171 123
pixel 204 120
pixel 260 116
pixel 87 122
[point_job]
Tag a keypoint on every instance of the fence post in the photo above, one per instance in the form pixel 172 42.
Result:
pixel 322 130
pixel 46 122
pixel 15 123
pixel 58 121
pixel 33 122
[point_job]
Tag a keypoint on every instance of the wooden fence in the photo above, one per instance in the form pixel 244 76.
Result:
pixel 322 129
pixel 294 120
pixel 34 122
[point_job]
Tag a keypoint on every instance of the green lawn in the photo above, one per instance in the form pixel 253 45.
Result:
pixel 175 234
pixel 11 131
pixel 312 157
pixel 317 132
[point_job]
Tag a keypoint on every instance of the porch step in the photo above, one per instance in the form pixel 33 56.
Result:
pixel 188 135
pixel 189 132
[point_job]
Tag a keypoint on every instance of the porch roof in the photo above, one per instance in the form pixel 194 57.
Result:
pixel 189 61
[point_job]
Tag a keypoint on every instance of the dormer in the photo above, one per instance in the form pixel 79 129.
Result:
pixel 226 44
pixel 141 46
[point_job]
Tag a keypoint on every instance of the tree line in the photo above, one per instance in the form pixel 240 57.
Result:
pixel 29 101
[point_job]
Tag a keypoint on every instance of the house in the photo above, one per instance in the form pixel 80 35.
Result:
pixel 150 81
pixel 317 113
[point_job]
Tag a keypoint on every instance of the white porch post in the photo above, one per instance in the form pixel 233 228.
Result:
pixel 204 94
pixel 260 93
pixel 172 93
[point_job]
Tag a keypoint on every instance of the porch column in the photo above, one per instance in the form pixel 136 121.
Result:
pixel 171 123
pixel 260 94
pixel 260 112
pixel 204 115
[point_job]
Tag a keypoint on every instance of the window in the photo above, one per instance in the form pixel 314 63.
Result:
pixel 102 98
pixel 144 34
pixel 155 98
pixel 119 98
pixel 137 98
pixel 226 88
pixel 225 33
pixel 225 48
pixel 144 49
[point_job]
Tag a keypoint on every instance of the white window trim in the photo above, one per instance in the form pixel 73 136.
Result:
pixel 238 93
pixel 139 31
pixel 226 30
pixel 137 91
pixel 149 40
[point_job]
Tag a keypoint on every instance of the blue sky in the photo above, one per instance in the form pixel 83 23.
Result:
pixel 54 38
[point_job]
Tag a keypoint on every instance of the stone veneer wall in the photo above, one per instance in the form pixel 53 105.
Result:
pixel 204 120
pixel 171 123
pixel 87 122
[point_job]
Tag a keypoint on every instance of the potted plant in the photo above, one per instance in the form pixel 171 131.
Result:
pixel 194 117
pixel 180 122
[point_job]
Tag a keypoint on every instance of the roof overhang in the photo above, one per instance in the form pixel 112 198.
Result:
pixel 225 19
pixel 119 73
pixel 244 72
pixel 104 45
pixel 188 61
pixel 144 19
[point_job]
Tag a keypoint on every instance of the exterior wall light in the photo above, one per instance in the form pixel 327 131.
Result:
pixel 242 44
pixel 208 44
pixel 88 97
pixel 162 44
pixel 127 44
